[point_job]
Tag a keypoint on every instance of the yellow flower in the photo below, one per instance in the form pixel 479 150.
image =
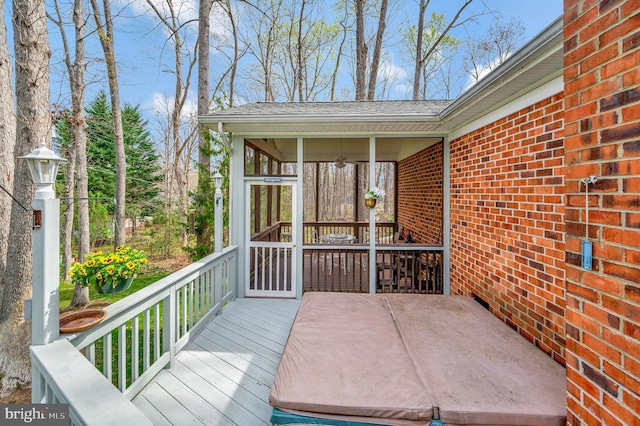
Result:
pixel 123 263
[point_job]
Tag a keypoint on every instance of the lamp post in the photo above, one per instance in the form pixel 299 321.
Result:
pixel 217 213
pixel 43 165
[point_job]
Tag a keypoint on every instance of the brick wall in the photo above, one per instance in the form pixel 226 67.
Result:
pixel 507 221
pixel 420 183
pixel 602 129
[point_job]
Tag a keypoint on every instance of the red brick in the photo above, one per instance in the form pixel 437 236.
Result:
pixel 631 78
pixel 622 308
pixel 620 65
pixel 615 33
pixel 602 283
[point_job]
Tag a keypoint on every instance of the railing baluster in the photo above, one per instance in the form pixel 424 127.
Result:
pixel 90 353
pixel 182 313
pixel 169 326
pixel 156 330
pixel 269 271
pixel 135 348
pixel 197 302
pixel 122 357
pixel 106 356
pixel 146 342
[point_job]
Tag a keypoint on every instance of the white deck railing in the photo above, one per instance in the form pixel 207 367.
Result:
pixel 100 370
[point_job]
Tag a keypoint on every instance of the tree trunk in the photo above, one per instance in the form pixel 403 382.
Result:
pixel 418 69
pixel 434 46
pixel 300 63
pixel 361 52
pixel 79 129
pixel 204 159
pixel 7 143
pixel 236 53
pixel 375 61
pixel 334 75
pixel 33 123
pixel 105 33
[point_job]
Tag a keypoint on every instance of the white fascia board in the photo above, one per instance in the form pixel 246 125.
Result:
pixel 545 91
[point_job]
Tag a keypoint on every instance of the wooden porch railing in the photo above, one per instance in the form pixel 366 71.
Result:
pixel 403 268
pixel 140 336
pixel 313 230
pixel 400 268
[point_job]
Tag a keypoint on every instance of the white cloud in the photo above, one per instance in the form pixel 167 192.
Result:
pixel 390 71
pixel 185 11
pixel 484 70
pixel 162 105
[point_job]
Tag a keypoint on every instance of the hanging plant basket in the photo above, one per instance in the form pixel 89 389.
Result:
pixel 113 285
pixel 370 202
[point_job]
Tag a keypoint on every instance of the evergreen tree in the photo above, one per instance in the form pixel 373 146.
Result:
pixel 143 174
pixel 143 168
pixel 101 163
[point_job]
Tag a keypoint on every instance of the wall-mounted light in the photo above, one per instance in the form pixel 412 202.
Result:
pixel 43 165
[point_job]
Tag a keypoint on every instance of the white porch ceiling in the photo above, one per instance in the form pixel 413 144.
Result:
pixel 353 149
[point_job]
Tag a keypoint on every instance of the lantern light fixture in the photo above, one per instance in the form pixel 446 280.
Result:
pixel 217 180
pixel 43 165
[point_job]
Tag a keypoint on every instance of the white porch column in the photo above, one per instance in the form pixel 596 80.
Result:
pixel 446 216
pixel 238 214
pixel 373 270
pixel 299 225
pixel 46 275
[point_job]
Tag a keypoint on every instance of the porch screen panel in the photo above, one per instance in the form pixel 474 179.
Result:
pixel 336 192
pixel 270 259
pixel 249 161
pixel 289 169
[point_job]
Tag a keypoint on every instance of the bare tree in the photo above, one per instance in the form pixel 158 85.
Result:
pixel 76 172
pixel 264 29
pixel 204 159
pixel 434 73
pixel 375 60
pixel 171 20
pixel 500 41
pixel 304 53
pixel 334 76
pixel 228 77
pixel 106 35
pixel 361 51
pixel 423 53
pixel 7 142
pixel 33 123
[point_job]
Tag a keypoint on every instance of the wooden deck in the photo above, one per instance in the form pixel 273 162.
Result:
pixel 224 376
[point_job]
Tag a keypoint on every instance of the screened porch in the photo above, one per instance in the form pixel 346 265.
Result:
pixel 336 234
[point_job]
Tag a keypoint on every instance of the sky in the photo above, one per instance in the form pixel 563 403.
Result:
pixel 145 58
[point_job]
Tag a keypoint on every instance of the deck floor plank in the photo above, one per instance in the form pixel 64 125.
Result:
pixel 267 360
pixel 223 376
pixel 215 355
pixel 232 381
